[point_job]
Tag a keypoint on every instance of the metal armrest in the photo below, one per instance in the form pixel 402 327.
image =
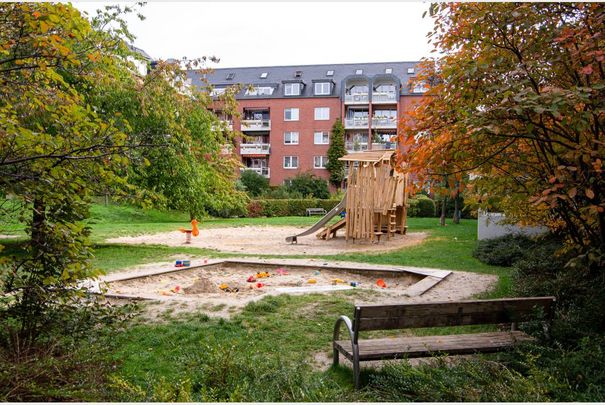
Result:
pixel 349 325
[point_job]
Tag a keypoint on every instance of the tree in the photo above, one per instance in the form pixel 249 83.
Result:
pixel 309 185
pixel 255 183
pixel 517 101
pixel 336 151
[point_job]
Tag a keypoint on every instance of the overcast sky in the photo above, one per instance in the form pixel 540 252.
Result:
pixel 289 33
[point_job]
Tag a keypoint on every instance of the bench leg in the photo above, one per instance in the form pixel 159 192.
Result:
pixel 336 358
pixel 356 365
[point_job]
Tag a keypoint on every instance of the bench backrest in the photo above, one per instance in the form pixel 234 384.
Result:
pixel 457 313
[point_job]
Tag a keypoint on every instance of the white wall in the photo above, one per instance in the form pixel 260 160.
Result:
pixel 489 226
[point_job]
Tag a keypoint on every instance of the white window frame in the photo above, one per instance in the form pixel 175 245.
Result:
pixel 291 114
pixel 322 160
pixel 321 134
pixel 319 88
pixel 420 87
pixel 410 71
pixel 260 91
pixel 388 70
pixel 218 91
pixel 319 114
pixel 291 134
pixel 290 160
pixel 292 86
pixel 330 73
pixel 359 72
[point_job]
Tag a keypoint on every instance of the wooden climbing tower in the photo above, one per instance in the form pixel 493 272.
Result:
pixel 376 200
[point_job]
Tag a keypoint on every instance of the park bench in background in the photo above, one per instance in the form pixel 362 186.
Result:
pixel 315 211
pixel 509 311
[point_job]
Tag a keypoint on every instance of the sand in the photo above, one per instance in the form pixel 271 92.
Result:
pixel 458 285
pixel 271 240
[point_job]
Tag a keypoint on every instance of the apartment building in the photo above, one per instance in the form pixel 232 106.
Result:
pixel 287 112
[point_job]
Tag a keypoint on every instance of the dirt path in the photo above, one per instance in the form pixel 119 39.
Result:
pixel 270 240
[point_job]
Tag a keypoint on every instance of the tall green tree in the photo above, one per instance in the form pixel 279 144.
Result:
pixel 336 151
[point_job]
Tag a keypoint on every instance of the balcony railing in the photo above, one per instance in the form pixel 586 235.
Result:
pixel 263 171
pixel 359 98
pixel 254 149
pixel 356 122
pixel 384 98
pixel 355 146
pixel 384 122
pixel 383 146
pixel 223 125
pixel 256 125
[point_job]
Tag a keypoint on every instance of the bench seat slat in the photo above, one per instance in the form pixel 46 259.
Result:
pixel 380 317
pixel 423 346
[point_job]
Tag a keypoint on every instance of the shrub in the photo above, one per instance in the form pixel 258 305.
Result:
pixel 254 183
pixel 281 193
pixel 288 207
pixel 421 206
pixel 254 209
pixel 502 251
pixel 309 185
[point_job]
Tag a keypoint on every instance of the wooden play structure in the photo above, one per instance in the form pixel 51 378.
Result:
pixel 376 199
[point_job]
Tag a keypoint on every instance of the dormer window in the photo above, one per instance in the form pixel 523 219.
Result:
pixel 330 73
pixel 359 72
pixel 322 88
pixel 292 89
pixel 230 76
pixel 259 91
pixel 410 71
pixel 263 75
pixel 419 87
pixel 388 71
pixel 298 74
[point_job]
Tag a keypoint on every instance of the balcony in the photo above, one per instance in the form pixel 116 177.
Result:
pixel 384 123
pixel 352 123
pixel 358 98
pixel 383 146
pixel 223 125
pixel 355 146
pixel 263 171
pixel 254 149
pixel 256 125
pixel 384 98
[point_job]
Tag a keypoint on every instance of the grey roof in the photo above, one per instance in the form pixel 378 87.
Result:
pixel 278 75
pixel 140 52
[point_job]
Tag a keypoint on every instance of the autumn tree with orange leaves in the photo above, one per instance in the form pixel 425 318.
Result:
pixel 518 102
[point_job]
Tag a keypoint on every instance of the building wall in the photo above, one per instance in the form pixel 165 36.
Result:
pixel 305 126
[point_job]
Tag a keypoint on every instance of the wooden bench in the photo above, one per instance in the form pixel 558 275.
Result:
pixel 508 311
pixel 315 211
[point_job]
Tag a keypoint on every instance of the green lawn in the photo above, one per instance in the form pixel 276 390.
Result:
pixel 264 352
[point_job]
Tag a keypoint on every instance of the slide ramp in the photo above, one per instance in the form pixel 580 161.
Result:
pixel 322 222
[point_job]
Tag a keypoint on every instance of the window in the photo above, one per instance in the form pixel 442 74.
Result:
pixel 217 91
pixel 292 89
pixel 323 88
pixel 319 162
pixel 259 91
pixel 290 138
pixel 230 76
pixel 359 72
pixel 291 114
pixel 388 71
pixel 290 162
pixel 263 75
pixel 322 113
pixel 420 87
pixel 410 71
pixel 330 73
pixel 321 138
pixel 298 73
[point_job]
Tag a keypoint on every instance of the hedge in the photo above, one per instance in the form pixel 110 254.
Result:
pixel 289 207
pixel 421 206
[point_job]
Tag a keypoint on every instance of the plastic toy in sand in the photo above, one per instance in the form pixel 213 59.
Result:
pixel 193 231
pixel 182 263
pixel 262 274
pixel 380 283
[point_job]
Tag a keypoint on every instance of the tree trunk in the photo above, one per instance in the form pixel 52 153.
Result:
pixel 456 217
pixel 443 206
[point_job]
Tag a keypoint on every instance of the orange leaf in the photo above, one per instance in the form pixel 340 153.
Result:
pixel 589 193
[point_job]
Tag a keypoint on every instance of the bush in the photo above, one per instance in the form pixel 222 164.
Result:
pixel 309 185
pixel 503 251
pixel 421 206
pixel 289 207
pixel 254 183
pixel 280 193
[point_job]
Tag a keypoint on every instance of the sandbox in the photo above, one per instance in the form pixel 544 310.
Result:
pixel 203 282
